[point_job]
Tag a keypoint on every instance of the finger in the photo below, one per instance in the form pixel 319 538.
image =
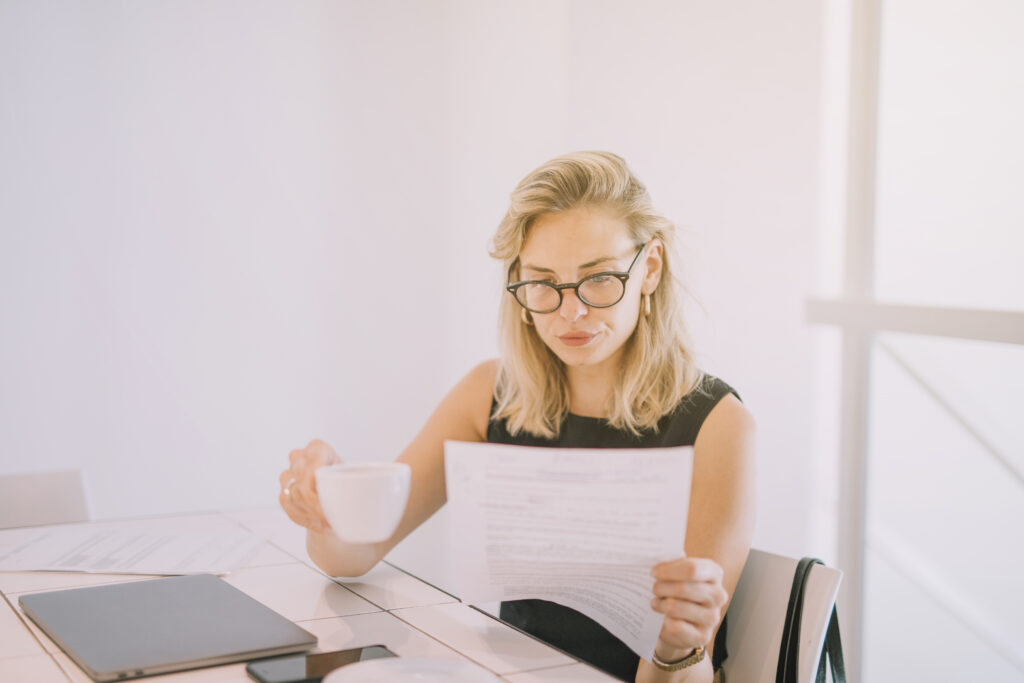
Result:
pixel 301 515
pixel 289 481
pixel 698 615
pixel 688 569
pixel 684 635
pixel 708 594
pixel 295 512
pixel 303 495
pixel 322 451
pixel 286 477
pixel 304 479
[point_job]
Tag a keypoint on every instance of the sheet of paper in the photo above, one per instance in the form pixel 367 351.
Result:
pixel 580 527
pixel 137 547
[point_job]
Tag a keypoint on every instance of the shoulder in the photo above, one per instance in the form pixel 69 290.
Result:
pixel 723 450
pixel 470 399
pixel 479 382
pixel 728 415
pixel 724 493
pixel 723 413
pixel 723 502
pixel 709 392
pixel 686 420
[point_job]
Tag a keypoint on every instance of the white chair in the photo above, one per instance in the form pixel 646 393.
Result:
pixel 42 498
pixel 757 616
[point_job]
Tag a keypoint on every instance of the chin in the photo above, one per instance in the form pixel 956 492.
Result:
pixel 580 357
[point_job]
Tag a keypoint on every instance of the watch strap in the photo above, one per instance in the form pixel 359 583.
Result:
pixel 689 660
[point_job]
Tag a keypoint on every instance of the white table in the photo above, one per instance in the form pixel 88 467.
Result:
pixel 386 606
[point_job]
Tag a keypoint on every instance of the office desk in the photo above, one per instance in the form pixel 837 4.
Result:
pixel 387 606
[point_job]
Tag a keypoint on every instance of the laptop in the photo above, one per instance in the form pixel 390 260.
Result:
pixel 141 628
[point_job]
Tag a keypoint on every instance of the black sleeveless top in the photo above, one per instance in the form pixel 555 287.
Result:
pixel 563 627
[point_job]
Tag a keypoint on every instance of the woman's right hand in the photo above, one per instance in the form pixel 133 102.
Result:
pixel 298 485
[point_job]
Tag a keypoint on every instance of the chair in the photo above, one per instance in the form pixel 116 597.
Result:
pixel 42 498
pixel 757 616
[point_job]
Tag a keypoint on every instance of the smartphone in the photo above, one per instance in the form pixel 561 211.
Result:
pixel 310 668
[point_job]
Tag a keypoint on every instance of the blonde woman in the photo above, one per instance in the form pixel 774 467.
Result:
pixel 593 354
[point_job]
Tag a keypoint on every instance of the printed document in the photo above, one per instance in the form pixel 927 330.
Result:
pixel 580 527
pixel 155 546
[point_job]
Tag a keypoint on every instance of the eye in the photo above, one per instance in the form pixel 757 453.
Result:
pixel 600 278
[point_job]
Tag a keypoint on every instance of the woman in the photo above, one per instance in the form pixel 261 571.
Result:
pixel 593 354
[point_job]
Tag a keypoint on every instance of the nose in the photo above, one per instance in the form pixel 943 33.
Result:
pixel 572 309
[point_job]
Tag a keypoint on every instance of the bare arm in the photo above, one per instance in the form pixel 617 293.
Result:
pixel 694 592
pixel 461 416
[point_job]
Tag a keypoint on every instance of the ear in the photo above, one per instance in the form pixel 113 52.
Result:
pixel 653 261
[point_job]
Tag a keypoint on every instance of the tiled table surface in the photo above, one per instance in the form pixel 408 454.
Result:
pixel 387 606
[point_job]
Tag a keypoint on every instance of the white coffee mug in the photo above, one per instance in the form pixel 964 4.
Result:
pixel 364 502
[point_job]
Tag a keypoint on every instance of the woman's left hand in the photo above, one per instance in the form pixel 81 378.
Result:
pixel 689 592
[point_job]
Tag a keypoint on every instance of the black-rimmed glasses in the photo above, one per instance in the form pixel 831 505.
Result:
pixel 599 290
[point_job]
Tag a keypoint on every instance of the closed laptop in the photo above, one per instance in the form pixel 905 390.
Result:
pixel 141 628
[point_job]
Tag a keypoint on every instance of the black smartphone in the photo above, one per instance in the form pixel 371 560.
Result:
pixel 310 668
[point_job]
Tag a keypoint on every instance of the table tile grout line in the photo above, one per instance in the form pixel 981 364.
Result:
pixel 60 666
pixel 454 597
pixel 304 562
pixel 458 652
pixel 380 608
pixel 318 571
pixel 48 656
pixel 574 658
pixel 574 661
pixel 552 668
pixel 267 540
pixel 21 619
pixel 309 563
pixel 413 627
pixel 333 579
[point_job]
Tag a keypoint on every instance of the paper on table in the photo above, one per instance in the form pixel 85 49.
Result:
pixel 138 547
pixel 580 527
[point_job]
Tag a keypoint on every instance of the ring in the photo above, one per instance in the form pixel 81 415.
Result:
pixel 288 488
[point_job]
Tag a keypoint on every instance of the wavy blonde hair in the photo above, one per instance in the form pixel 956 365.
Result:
pixel 658 370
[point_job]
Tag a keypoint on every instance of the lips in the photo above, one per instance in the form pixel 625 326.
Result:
pixel 576 338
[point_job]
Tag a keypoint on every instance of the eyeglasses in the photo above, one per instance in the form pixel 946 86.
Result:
pixel 599 290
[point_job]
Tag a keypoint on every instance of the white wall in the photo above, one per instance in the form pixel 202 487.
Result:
pixel 199 264
pixel 226 228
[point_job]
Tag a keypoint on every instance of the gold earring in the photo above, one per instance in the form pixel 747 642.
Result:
pixel 647 304
pixel 525 317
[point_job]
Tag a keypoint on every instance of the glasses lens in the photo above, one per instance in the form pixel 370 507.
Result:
pixel 601 290
pixel 538 297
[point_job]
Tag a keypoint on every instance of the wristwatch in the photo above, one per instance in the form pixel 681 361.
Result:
pixel 689 660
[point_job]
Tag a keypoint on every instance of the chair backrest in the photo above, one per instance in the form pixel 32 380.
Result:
pixel 42 498
pixel 757 615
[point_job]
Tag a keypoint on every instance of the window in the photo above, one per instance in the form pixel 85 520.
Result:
pixel 931 315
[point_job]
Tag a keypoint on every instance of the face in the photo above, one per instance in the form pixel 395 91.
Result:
pixel 568 246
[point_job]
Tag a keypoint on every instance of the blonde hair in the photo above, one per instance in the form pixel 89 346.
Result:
pixel 532 389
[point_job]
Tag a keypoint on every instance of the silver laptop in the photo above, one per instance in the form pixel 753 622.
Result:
pixel 141 628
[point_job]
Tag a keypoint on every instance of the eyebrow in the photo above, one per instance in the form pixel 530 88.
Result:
pixel 582 266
